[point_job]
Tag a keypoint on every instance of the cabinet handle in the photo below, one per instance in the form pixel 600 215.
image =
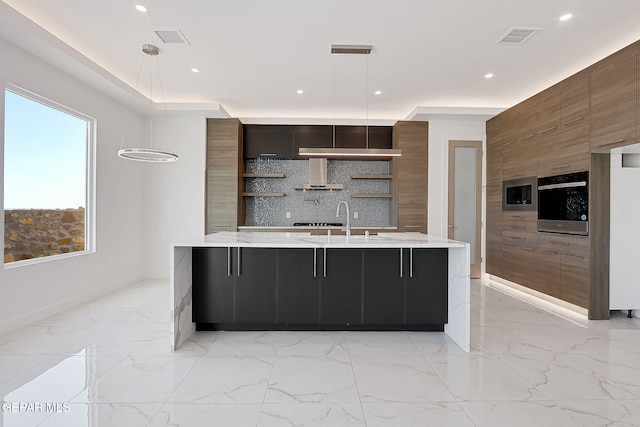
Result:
pixel 528 249
pixel 547 130
pixel 508 143
pixel 560 167
pixel 570 122
pixel 315 263
pixel 527 137
pixel 617 141
pixel 239 260
pixel 324 260
pixel 411 262
pixel 268 154
pixel 228 261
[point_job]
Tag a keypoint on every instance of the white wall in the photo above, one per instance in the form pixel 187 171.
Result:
pixel 440 133
pixel 624 236
pixel 31 292
pixel 175 192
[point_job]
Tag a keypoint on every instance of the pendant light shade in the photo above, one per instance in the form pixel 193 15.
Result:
pixel 150 154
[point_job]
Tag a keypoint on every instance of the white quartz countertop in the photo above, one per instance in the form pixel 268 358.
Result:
pixel 306 240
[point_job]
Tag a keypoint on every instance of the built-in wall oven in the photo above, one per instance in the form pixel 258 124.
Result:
pixel 563 203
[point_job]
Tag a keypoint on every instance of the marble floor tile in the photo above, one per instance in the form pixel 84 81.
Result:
pixel 521 414
pixel 482 377
pixel 380 343
pixel 225 379
pixel 202 414
pixel 398 379
pixel 245 343
pixel 504 339
pixel 110 360
pixel 603 413
pixel 561 377
pixel 415 414
pixel 140 379
pixel 435 343
pixel 311 379
pixel 103 415
pixel 622 369
pixel 312 415
pixel 57 378
pixel 311 343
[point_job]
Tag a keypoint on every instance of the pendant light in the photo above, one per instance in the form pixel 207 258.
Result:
pixel 148 154
pixel 345 153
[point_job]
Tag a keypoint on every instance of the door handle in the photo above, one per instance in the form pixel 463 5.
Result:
pixel 239 260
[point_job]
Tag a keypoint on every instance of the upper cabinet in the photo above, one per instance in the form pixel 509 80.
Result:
pixel 613 105
pixel 563 128
pixel 519 151
pixel 275 141
pixel 284 141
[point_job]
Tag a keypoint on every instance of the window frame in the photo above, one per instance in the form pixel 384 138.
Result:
pixel 90 174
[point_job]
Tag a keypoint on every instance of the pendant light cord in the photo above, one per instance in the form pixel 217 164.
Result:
pixel 334 100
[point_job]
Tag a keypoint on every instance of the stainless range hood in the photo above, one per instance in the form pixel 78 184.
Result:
pixel 318 176
pixel 350 153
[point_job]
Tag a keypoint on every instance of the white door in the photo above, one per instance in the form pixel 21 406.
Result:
pixel 465 172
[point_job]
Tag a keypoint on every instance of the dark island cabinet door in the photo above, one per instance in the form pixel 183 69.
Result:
pixel 212 285
pixel 384 286
pixel 341 286
pixel 427 286
pixel 298 286
pixel 255 276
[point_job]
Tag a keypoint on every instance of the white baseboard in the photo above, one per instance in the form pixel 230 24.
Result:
pixel 18 322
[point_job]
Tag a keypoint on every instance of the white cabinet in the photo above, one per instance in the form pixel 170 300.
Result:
pixel 624 291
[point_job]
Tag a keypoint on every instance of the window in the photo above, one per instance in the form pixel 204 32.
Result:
pixel 48 180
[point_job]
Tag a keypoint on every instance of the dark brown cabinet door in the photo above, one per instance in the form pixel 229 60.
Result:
pixel 273 141
pixel 341 287
pixel 298 286
pixel 383 299
pixel 427 290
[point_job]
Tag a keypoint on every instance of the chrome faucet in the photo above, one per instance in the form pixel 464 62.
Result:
pixel 346 205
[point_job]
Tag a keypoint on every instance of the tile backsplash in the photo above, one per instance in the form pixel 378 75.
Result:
pixel 317 205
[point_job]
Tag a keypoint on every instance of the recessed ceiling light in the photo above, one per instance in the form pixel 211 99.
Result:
pixel 195 70
pixel 488 75
pixel 141 8
pixel 566 17
pixel 378 92
pixel 299 91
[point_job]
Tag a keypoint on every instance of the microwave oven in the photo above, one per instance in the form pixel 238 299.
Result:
pixel 563 203
pixel 520 194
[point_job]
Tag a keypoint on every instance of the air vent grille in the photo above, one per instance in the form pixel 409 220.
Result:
pixel 517 35
pixel 171 36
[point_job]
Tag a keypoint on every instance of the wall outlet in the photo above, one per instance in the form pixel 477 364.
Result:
pixel 355 215
pixel 288 214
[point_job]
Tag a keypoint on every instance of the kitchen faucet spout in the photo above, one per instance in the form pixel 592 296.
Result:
pixel 348 227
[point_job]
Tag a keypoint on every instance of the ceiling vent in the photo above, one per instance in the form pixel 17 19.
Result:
pixel 517 35
pixel 171 36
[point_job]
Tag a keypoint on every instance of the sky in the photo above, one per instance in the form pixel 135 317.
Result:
pixel 45 156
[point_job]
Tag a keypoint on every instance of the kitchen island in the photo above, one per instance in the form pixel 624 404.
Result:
pixel 262 280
